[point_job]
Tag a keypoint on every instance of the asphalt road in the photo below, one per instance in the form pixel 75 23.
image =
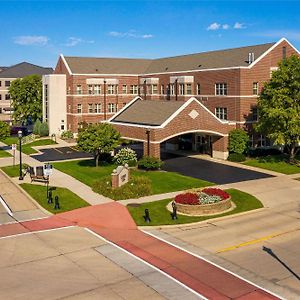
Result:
pixel 211 171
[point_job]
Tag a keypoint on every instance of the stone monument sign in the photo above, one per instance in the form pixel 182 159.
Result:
pixel 119 176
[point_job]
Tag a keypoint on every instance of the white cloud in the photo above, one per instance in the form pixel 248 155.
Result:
pixel 238 25
pixel 214 26
pixel 73 41
pixel 225 26
pixel 28 40
pixel 130 34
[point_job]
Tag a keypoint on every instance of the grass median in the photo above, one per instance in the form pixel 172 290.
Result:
pixel 160 215
pixel 67 199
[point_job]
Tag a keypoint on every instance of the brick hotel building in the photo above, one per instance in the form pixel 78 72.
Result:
pixel 199 97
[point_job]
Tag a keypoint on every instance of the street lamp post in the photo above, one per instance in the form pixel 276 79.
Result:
pixel 20 134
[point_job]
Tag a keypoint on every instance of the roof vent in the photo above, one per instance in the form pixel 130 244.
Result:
pixel 251 58
pixel 199 66
pixel 166 68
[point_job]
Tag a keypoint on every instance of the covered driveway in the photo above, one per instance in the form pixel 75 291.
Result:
pixel 211 171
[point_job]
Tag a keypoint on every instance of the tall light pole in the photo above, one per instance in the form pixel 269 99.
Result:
pixel 20 134
pixel 104 85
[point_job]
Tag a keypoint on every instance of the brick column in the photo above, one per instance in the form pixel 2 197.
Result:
pixel 220 147
pixel 154 149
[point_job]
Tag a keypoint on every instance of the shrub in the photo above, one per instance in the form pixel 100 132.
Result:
pixel 139 186
pixel 44 129
pixel 238 141
pixel 216 192
pixel 68 134
pixel 150 163
pixel 37 127
pixel 126 156
pixel 257 152
pixel 187 198
pixel 236 157
pixel 4 130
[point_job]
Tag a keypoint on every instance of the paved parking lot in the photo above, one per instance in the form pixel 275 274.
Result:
pixel 61 153
pixel 211 171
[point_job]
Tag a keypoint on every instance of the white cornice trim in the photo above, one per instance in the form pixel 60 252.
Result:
pixel 105 75
pixel 66 64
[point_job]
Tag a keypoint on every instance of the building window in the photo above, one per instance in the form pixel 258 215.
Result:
pixel 154 89
pixel 90 108
pixel 79 108
pixel 181 89
pixel 172 89
pixel 198 89
pixel 112 107
pixel 7 83
pixel 255 88
pixel 221 89
pixel 7 96
pixel 124 89
pixel 97 89
pixel 111 89
pixel 189 89
pixel 98 108
pixel 124 104
pixel 221 113
pixel 78 90
pixel 90 89
pixel 254 112
pixel 134 89
pixel 283 52
pixel 162 89
pixel 62 127
pixel 0 97
pixel 46 102
pixel 0 83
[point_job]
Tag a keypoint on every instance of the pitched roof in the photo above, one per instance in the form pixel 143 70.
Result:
pixel 23 69
pixel 227 58
pixel 100 65
pixel 148 112
pixel 236 57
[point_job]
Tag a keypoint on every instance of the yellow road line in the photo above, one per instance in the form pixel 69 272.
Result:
pixel 58 150
pixel 262 239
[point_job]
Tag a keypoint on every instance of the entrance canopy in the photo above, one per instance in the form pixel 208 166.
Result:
pixel 153 121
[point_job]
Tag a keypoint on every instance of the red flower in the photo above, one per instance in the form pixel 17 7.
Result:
pixel 187 198
pixel 216 192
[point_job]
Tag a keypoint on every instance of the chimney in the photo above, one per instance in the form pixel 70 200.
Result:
pixel 250 58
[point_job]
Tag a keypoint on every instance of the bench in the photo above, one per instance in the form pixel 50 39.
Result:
pixel 39 176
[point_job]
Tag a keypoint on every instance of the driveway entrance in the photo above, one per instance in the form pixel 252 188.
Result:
pixel 211 171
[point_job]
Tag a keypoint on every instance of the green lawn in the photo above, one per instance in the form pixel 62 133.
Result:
pixel 161 216
pixel 276 163
pixel 13 171
pixel 27 147
pixel 162 182
pixel 67 199
pixel 3 153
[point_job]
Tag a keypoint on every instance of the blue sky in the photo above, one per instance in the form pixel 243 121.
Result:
pixel 38 31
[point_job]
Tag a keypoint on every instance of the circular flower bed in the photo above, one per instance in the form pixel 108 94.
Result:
pixel 206 201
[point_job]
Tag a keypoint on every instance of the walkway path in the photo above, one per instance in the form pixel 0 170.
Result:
pixel 113 222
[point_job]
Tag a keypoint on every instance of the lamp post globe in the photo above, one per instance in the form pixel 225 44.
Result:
pixel 20 135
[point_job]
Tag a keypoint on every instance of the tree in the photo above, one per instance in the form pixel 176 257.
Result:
pixel 279 106
pixel 37 127
pixel 4 130
pixel 238 141
pixel 98 139
pixel 26 95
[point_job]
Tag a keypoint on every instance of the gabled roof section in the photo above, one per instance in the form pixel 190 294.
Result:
pixel 23 69
pixel 147 112
pixel 236 57
pixel 101 65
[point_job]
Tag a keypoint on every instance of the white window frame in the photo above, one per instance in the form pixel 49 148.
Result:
pixel 90 89
pixel 79 89
pixel 221 89
pixel 90 108
pixel 79 108
pixel 111 89
pixel 162 89
pixel 198 89
pixel 98 108
pixel 124 89
pixel 188 89
pixel 181 89
pixel 112 107
pixel 97 89
pixel 221 113
pixel 154 89
pixel 255 88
